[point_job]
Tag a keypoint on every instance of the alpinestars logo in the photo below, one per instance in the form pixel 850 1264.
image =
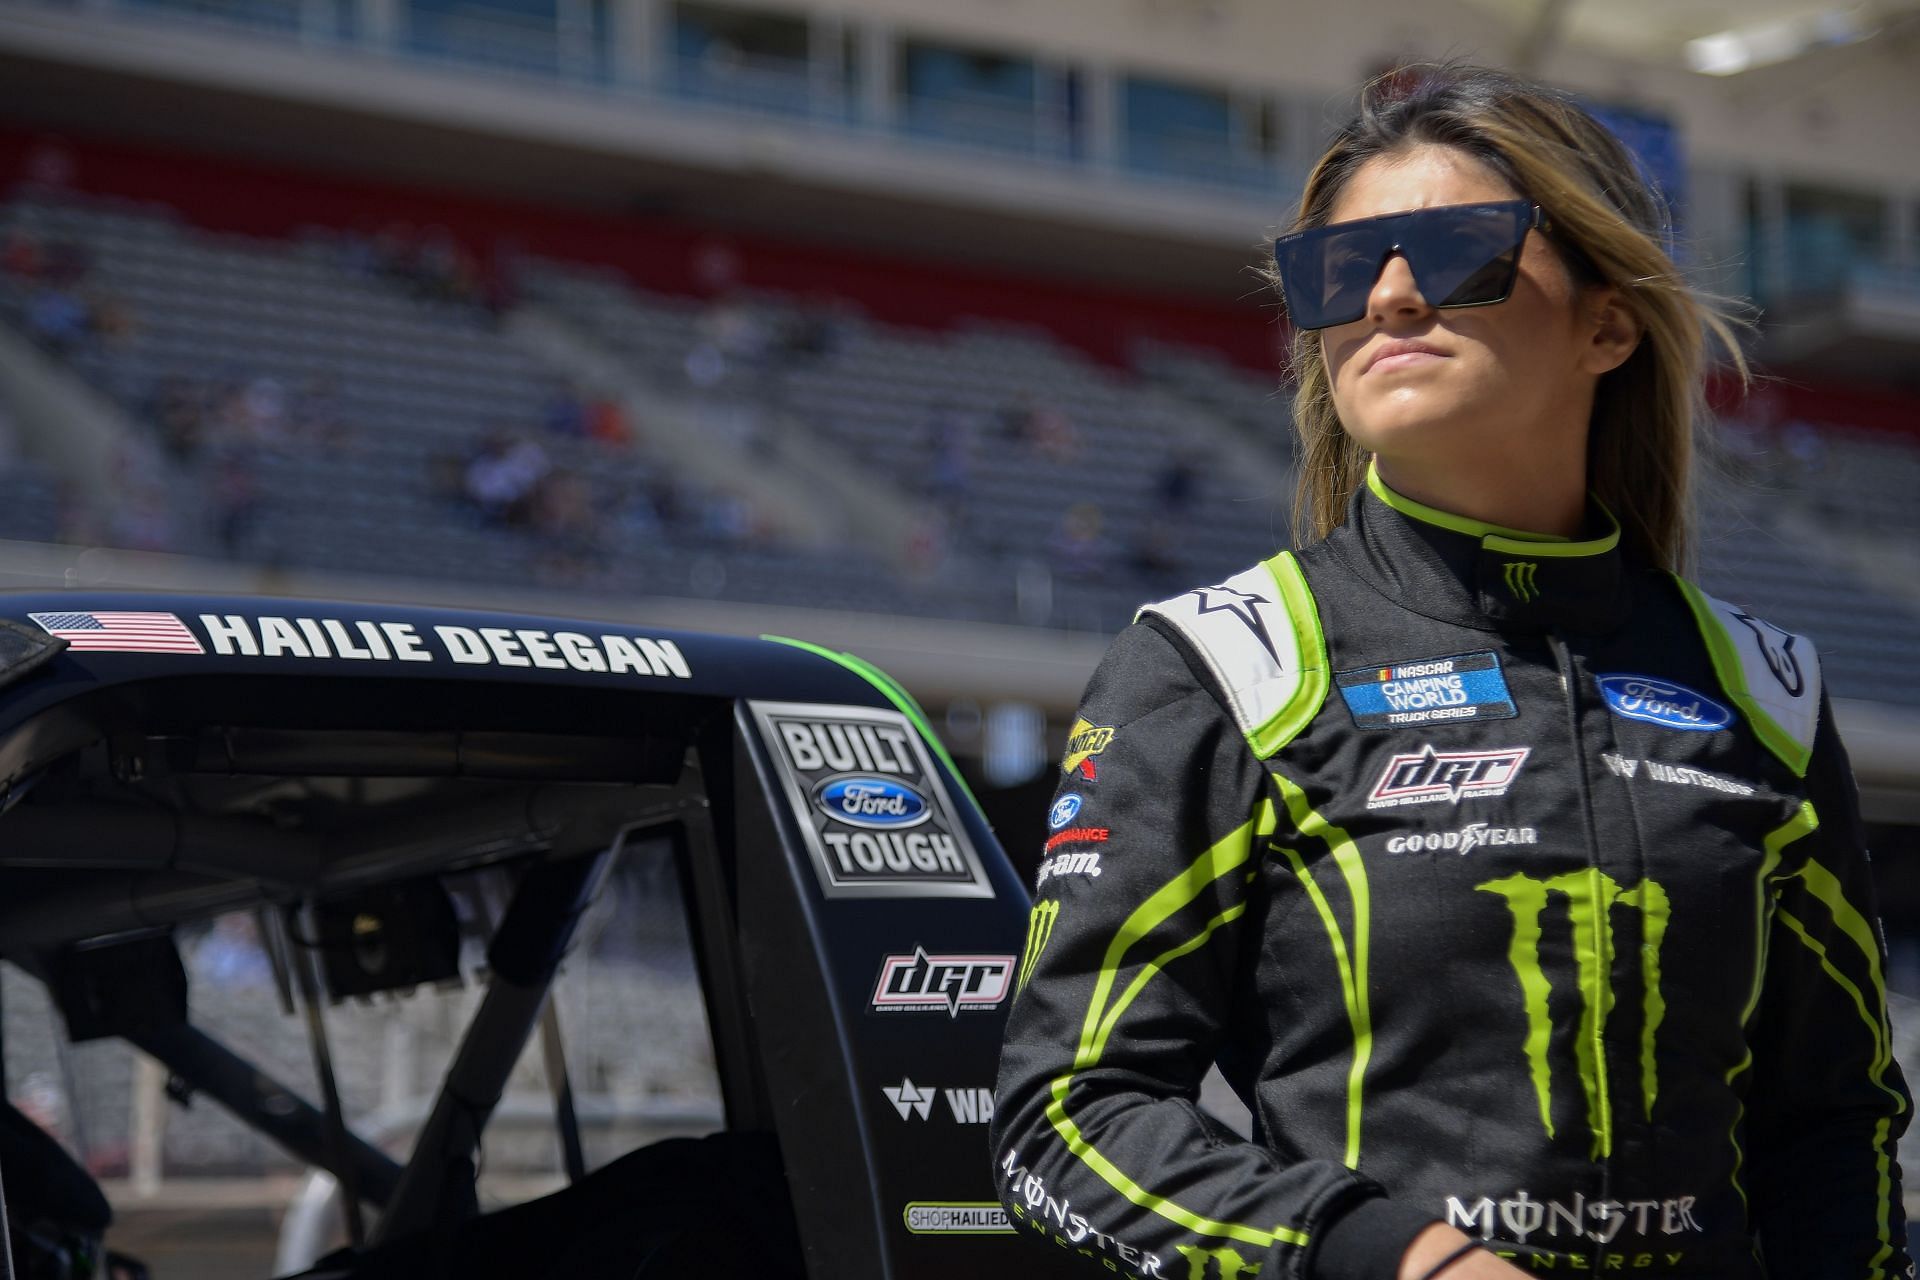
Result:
pixel 1776 646
pixel 920 983
pixel 1427 776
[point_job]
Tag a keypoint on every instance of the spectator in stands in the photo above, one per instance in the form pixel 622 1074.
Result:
pixel 566 414
pixel 927 545
pixel 1155 552
pixel 444 269
pixel 1052 435
pixel 262 409
pixel 729 518
pixel 66 262
pixel 236 495
pixel 113 321
pixel 23 259
pixel 503 477
pixel 1015 420
pixel 563 517
pixel 141 516
pixel 316 417
pixel 178 408
pixel 1174 486
pixel 733 338
pixel 1078 548
pixel 1040 427
pixel 58 319
pixel 607 423
pixel 949 448
pixel 812 333
pixel 1802 443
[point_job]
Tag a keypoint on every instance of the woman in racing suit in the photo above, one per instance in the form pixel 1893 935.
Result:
pixel 1516 884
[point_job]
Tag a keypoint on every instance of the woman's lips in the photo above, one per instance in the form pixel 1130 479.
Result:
pixel 1403 355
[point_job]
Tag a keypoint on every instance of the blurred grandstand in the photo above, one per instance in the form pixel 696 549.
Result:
pixel 925 331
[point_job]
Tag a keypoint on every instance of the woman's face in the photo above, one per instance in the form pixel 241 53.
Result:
pixel 1514 379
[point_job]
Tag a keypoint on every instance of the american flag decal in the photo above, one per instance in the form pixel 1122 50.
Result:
pixel 120 632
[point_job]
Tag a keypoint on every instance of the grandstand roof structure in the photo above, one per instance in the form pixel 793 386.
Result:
pixel 1721 37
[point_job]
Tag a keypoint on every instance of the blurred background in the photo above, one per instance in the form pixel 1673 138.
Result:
pixel 923 330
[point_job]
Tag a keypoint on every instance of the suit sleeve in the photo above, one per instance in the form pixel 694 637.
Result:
pixel 1132 959
pixel 1827 1102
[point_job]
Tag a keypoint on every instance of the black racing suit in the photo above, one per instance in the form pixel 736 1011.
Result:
pixel 1510 884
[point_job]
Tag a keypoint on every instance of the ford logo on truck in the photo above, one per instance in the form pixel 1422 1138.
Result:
pixel 1664 703
pixel 863 800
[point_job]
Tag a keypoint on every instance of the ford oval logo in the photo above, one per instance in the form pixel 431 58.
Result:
pixel 1064 810
pixel 863 800
pixel 1662 702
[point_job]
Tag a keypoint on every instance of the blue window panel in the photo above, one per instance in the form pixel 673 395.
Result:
pixel 709 65
pixel 512 35
pixel 1187 133
pixel 972 97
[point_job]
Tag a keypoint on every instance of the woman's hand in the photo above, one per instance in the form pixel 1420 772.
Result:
pixel 1439 1240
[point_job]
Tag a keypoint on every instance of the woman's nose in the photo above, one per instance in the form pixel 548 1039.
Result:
pixel 1395 293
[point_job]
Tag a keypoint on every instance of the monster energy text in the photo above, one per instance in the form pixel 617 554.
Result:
pixel 1598 1220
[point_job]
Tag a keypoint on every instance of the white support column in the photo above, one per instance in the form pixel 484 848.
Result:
pixel 380 24
pixel 827 65
pixel 637 42
pixel 149 1126
pixel 879 79
pixel 1770 194
pixel 1053 126
pixel 1903 228
pixel 1100 114
pixel 573 38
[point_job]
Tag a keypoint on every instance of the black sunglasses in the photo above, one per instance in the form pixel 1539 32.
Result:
pixel 1461 255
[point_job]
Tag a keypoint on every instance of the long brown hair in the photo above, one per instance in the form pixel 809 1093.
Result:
pixel 1609 227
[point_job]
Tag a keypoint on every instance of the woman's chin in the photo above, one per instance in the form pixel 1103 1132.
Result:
pixel 1417 430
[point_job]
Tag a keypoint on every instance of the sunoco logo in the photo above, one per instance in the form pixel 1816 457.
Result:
pixel 874 803
pixel 1662 702
pixel 922 983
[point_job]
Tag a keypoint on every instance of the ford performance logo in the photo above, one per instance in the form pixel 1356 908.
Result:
pixel 1663 702
pixel 862 800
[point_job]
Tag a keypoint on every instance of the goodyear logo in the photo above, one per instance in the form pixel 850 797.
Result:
pixel 1084 741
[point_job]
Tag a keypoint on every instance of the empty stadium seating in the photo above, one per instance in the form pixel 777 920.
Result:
pixel 1058 491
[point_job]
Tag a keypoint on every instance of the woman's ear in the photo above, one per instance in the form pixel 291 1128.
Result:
pixel 1613 332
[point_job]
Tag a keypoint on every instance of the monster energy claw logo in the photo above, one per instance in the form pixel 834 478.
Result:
pixel 1519 576
pixel 1591 897
pixel 1040 922
pixel 1221 1263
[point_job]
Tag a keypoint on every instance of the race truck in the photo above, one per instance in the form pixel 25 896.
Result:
pixel 404 798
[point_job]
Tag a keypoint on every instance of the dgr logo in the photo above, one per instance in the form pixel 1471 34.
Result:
pixel 1520 579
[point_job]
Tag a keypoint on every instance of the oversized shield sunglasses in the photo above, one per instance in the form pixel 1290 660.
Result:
pixel 1461 255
